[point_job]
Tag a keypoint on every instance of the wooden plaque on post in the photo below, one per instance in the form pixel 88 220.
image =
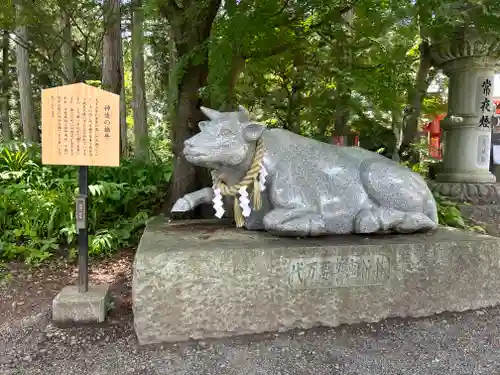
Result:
pixel 80 126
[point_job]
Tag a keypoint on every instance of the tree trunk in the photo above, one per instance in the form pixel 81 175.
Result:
pixel 292 118
pixel 323 127
pixel 123 108
pixel 172 79
pixel 111 50
pixel 294 94
pixel 223 96
pixel 237 65
pixel 415 99
pixel 67 49
pixel 112 73
pixel 28 119
pixel 228 100
pixel 186 177
pixel 342 109
pixel 191 26
pixel 139 83
pixel 398 134
pixel 5 119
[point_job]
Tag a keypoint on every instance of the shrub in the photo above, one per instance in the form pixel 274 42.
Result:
pixel 37 203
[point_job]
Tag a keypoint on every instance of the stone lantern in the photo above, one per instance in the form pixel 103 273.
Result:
pixel 469 60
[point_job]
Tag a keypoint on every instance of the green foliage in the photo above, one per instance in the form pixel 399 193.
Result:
pixel 294 64
pixel 434 106
pixel 37 204
pixel 449 215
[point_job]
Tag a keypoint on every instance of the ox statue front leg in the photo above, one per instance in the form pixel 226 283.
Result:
pixel 193 200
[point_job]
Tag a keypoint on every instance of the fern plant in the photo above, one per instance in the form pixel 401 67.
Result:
pixel 37 203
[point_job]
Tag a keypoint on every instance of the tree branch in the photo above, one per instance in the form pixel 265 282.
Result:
pixel 50 62
pixel 169 9
pixel 347 8
pixel 282 9
pixel 261 54
pixel 341 12
pixel 365 67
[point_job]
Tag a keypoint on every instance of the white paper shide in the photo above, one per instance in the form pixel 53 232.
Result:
pixel 218 204
pixel 244 202
pixel 262 177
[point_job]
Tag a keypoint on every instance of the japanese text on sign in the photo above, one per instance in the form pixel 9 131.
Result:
pixel 482 150
pixel 80 126
pixel 485 105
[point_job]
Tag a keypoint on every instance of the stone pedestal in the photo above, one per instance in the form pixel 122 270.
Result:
pixel 476 194
pixel 198 279
pixel 71 306
pixel 469 62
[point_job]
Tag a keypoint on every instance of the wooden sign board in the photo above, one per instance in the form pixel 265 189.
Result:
pixel 80 126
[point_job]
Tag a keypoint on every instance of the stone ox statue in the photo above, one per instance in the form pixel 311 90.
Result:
pixel 302 187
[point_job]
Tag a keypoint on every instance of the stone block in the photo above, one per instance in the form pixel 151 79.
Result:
pixel 201 279
pixel 89 307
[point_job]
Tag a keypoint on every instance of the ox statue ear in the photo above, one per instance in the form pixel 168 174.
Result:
pixel 212 114
pixel 203 125
pixel 243 115
pixel 252 132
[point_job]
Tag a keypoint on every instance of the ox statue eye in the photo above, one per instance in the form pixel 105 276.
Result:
pixel 226 133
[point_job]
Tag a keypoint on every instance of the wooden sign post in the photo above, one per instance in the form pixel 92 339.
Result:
pixel 81 127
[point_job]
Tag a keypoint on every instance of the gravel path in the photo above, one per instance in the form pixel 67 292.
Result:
pixel 449 344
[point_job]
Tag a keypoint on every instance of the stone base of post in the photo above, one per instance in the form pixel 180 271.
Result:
pixel 466 177
pixel 474 193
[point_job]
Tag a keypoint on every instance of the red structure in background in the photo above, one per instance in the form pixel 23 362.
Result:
pixel 433 130
pixel 340 140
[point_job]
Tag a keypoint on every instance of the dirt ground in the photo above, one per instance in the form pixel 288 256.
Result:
pixel 26 290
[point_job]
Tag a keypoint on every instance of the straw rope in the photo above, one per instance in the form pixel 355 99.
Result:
pixel 249 178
